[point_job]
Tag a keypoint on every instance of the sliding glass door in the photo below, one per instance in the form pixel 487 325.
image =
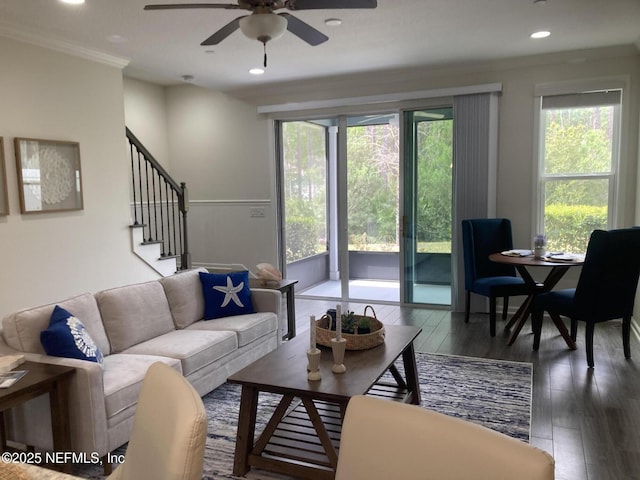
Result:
pixel 303 185
pixel 427 221
pixel 373 203
pixel 343 232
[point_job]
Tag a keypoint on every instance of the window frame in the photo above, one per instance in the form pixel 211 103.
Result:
pixel 614 214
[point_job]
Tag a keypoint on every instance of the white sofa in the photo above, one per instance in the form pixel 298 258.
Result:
pixel 135 326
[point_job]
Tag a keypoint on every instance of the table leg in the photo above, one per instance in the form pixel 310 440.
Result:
pixel 411 373
pixel 58 403
pixel 516 316
pixel 521 316
pixel 321 430
pixel 246 429
pixel 524 311
pixel 291 313
pixel 562 328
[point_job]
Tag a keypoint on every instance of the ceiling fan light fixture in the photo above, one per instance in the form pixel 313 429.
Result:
pixel 263 26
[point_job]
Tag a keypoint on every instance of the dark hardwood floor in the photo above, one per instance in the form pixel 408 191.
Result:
pixel 588 419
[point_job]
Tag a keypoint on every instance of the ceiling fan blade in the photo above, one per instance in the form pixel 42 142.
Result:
pixel 303 30
pixel 180 6
pixel 223 33
pixel 329 4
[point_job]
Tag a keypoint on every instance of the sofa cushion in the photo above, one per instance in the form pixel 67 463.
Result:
pixel 184 293
pixel 194 349
pixel 22 329
pixel 247 327
pixel 226 294
pixel 67 337
pixel 122 378
pixel 134 313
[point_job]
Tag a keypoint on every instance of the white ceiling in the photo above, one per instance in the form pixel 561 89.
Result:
pixel 162 46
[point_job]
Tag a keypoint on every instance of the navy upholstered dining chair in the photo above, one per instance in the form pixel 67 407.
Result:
pixel 605 291
pixel 480 238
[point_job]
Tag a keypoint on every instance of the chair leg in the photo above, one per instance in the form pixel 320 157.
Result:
pixel 589 343
pixel 574 329
pixel 505 307
pixel 467 305
pixel 536 324
pixel 492 316
pixel 626 336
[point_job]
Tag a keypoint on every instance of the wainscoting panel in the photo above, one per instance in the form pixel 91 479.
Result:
pixel 232 231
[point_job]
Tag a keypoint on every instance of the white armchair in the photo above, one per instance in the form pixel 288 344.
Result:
pixel 169 430
pixel 382 439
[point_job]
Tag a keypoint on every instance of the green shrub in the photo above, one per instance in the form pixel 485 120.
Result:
pixel 301 238
pixel 568 227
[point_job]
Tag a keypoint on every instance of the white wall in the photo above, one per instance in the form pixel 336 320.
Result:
pixel 146 117
pixel 49 257
pixel 220 148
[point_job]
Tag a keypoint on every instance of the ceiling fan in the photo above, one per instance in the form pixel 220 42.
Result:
pixel 264 24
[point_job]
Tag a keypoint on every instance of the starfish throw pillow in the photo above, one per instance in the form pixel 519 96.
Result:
pixel 67 337
pixel 226 295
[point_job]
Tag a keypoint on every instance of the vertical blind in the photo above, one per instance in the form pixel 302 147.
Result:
pixel 475 142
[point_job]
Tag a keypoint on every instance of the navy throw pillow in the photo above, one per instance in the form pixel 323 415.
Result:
pixel 67 337
pixel 226 294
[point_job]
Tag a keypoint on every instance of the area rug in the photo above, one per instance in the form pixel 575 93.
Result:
pixel 493 393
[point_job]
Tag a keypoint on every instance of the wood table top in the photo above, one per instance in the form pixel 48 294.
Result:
pixel 534 262
pixel 285 370
pixel 37 375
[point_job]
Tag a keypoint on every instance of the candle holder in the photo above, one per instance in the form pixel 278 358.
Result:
pixel 338 347
pixel 313 356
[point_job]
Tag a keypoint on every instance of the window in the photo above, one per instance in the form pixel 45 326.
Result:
pixel 305 189
pixel 372 183
pixel 578 167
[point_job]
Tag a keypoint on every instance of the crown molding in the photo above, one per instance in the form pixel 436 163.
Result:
pixel 59 45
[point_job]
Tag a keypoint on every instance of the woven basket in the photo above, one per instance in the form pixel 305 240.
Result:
pixel 355 341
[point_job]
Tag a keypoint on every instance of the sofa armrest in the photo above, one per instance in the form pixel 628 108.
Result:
pixel 31 422
pixel 269 300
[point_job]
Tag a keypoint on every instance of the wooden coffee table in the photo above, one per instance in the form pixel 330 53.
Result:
pixel 302 437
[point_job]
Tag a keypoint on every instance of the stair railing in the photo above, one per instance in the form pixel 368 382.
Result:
pixel 160 204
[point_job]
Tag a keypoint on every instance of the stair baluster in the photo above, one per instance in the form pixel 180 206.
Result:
pixel 168 222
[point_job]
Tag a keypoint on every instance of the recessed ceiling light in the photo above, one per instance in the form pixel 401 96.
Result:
pixel 73 2
pixel 333 22
pixel 256 71
pixel 540 34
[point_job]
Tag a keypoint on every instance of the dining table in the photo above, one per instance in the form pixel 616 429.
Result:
pixel 523 260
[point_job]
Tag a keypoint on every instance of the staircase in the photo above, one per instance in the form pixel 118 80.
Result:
pixel 159 213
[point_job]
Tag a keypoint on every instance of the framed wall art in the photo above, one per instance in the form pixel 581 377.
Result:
pixel 4 196
pixel 49 176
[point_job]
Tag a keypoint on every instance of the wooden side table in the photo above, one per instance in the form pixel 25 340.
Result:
pixel 284 286
pixel 42 378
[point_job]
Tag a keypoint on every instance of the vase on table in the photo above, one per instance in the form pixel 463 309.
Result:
pixel 338 346
pixel 540 246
